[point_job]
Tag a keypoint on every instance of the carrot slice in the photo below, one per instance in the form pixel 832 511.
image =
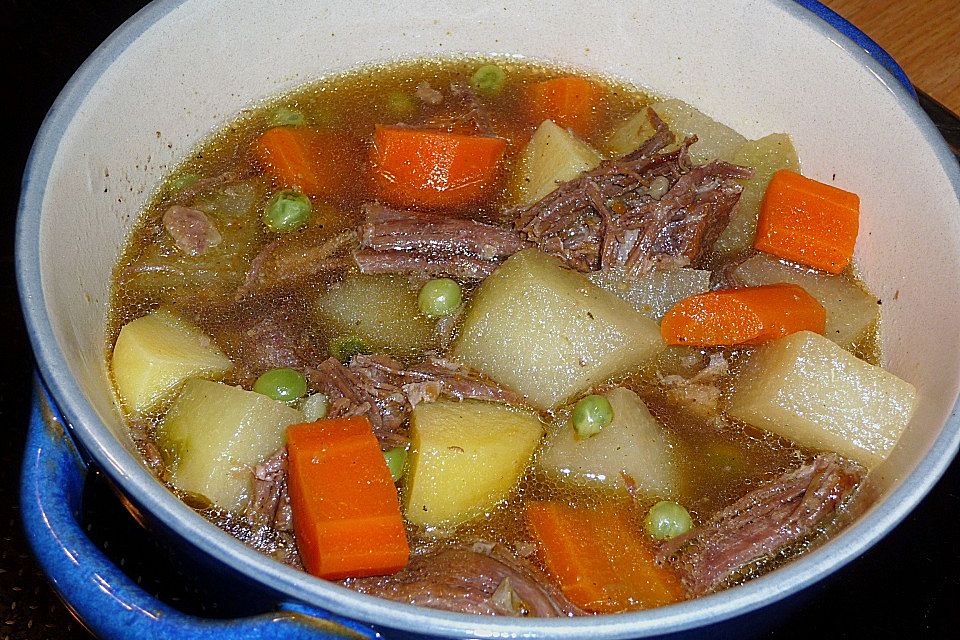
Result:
pixel 315 162
pixel 346 512
pixel 808 222
pixel 434 168
pixel 600 559
pixel 569 101
pixel 742 316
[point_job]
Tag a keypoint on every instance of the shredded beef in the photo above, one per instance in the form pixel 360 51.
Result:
pixel 269 503
pixel 458 381
pixel 428 94
pixel 623 213
pixel 192 231
pixel 484 578
pixel 393 241
pixel 725 277
pixel 354 394
pixel 299 257
pixel 140 432
pixel 187 194
pixel 382 389
pixel 784 512
pixel 462 111
pixel 258 332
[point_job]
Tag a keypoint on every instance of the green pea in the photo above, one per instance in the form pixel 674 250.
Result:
pixel 591 414
pixel 440 297
pixel 488 79
pixel 399 104
pixel 287 117
pixel 396 459
pixel 667 520
pixel 183 181
pixel 315 407
pixel 343 348
pixel 282 384
pixel 287 211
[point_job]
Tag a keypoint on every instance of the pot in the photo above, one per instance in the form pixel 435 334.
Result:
pixel 178 71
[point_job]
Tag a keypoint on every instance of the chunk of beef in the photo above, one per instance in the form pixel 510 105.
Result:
pixel 192 231
pixel 141 433
pixel 462 111
pixel 354 394
pixel 428 94
pixel 393 241
pixel 299 257
pixel 382 389
pixel 258 332
pixel 484 578
pixel 187 194
pixel 457 381
pixel 637 210
pixel 269 502
pixel 784 512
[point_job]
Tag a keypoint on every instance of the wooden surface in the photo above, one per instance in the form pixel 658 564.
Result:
pixel 923 36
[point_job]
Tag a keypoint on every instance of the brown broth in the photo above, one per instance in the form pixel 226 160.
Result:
pixel 731 458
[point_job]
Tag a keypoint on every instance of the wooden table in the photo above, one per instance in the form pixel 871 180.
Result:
pixel 922 35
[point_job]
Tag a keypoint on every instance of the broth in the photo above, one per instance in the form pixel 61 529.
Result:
pixel 719 458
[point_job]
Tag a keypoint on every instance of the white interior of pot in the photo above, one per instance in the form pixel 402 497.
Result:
pixel 753 65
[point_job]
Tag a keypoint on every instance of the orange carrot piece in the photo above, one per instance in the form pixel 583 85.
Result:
pixel 600 559
pixel 434 168
pixel 315 162
pixel 808 222
pixel 742 316
pixel 346 512
pixel 569 101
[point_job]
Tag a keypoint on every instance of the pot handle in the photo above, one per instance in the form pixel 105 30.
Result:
pixel 864 41
pixel 105 600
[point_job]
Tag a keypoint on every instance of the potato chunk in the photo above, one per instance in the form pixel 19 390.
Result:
pixel 634 443
pixel 464 458
pixel 766 156
pixel 549 333
pixel 653 294
pixel 851 311
pixel 715 141
pixel 156 353
pixel 806 388
pixel 630 134
pixel 214 434
pixel 381 310
pixel 552 156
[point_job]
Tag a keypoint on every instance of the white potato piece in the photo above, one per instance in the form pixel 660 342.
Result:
pixel 381 310
pixel 154 354
pixel 654 293
pixel 465 457
pixel 214 434
pixel 766 156
pixel 806 388
pixel 715 141
pixel 634 444
pixel 553 156
pixel 549 333
pixel 630 134
pixel 851 311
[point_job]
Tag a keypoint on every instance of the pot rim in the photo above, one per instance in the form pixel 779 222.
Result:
pixel 110 455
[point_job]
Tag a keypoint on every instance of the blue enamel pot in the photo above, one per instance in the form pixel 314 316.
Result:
pixel 178 71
